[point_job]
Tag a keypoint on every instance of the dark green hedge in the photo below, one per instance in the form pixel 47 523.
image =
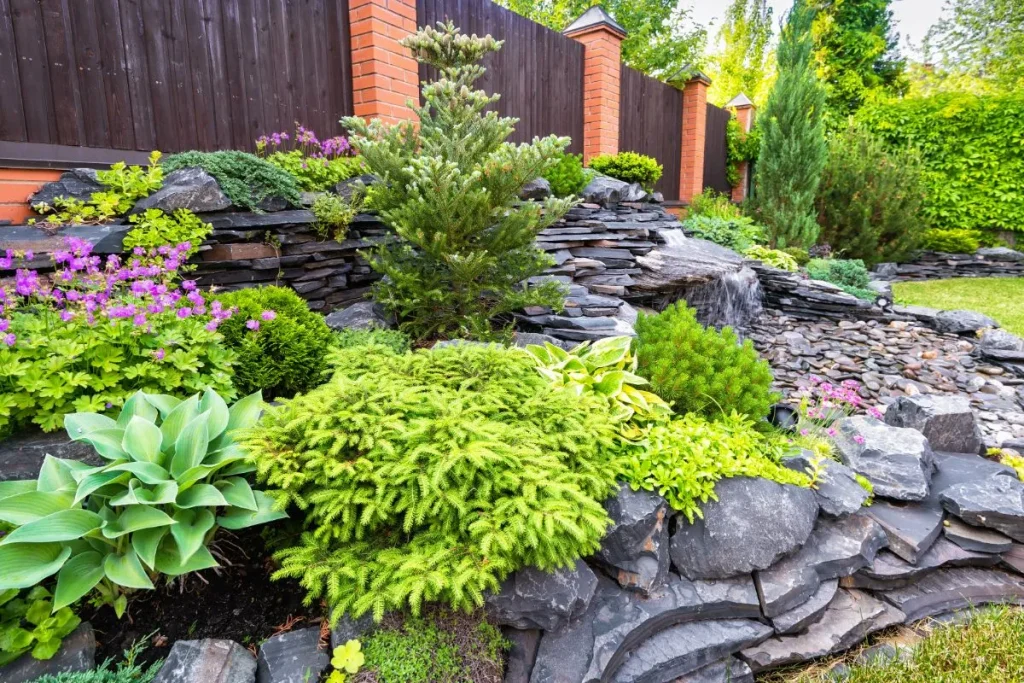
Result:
pixel 973 152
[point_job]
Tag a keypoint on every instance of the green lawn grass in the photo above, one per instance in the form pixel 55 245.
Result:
pixel 999 298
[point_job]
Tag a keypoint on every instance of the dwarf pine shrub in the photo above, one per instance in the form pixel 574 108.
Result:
pixel 431 476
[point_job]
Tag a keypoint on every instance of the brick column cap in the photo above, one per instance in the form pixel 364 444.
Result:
pixel 689 74
pixel 594 19
pixel 741 101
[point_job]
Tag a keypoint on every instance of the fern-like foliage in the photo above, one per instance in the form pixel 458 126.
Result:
pixel 430 476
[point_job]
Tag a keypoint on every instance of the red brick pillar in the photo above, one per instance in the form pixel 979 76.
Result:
pixel 16 186
pixel 743 109
pixel 602 38
pixel 384 74
pixel 695 117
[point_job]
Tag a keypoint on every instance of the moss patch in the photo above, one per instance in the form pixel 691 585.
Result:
pixel 998 298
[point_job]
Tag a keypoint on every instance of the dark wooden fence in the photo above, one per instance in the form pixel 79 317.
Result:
pixel 651 123
pixel 169 74
pixel 538 72
pixel 715 176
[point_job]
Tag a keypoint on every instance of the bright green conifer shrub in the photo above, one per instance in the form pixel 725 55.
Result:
pixel 430 476
pixel 850 275
pixel 953 241
pixel 628 167
pixel 568 177
pixel 701 370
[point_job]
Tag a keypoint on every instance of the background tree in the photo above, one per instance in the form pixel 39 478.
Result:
pixel 661 36
pixel 744 62
pixel 857 54
pixel 793 149
pixel 982 38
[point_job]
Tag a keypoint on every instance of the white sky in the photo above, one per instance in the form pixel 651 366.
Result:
pixel 913 18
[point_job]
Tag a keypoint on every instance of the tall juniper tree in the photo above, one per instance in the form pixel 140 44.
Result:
pixel 793 149
pixel 450 191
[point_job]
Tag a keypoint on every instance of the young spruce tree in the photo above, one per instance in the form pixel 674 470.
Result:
pixel 793 149
pixel 450 192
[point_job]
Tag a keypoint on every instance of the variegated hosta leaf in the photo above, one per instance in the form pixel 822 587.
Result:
pixel 136 518
pixel 16 488
pixel 57 474
pixel 180 415
pixel 191 445
pixel 140 494
pixel 147 472
pixel 107 443
pixel 163 403
pixel 146 543
pixel 169 562
pixel 79 425
pixel 219 414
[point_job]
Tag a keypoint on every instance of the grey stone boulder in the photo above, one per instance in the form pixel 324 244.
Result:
pixel 949 590
pixel 605 191
pixel 798 619
pixel 837 490
pixel 634 193
pixel 753 524
pixel 891 571
pixel 207 661
pixel 187 188
pixel 685 264
pixel 348 629
pixel 910 527
pixel 635 548
pixel 996 503
pixel 850 617
pixel 521 655
pixel 77 653
pixel 78 183
pixel 1001 345
pixel 898 462
pixel 976 539
pixel 728 670
pixel 947 422
pixel 523 339
pixel 362 315
pixel 532 598
pixel 1000 254
pixel 348 188
pixel 886 271
pixel 954 469
pixel 292 657
pixel 538 188
pixel 837 548
pixel 962 322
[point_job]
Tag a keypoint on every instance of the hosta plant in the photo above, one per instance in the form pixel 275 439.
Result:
pixel 172 476
pixel 606 368
pixel 29 623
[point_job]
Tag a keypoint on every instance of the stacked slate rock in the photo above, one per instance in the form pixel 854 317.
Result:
pixel 774 574
pixel 934 265
pixel 795 295
pixel 1003 349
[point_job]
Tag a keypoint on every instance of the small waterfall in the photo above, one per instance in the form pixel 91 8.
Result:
pixel 733 299
pixel 674 237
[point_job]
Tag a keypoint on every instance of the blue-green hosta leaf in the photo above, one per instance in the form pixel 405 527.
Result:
pixel 107 443
pixel 59 475
pixel 238 493
pixel 146 542
pixel 96 480
pixel 142 441
pixel 78 576
pixel 168 561
pixel 236 518
pixel 136 405
pixel 245 413
pixel 190 531
pixel 147 472
pixel 236 468
pixel 25 564
pixel 139 494
pixel 16 487
pixel 219 414
pixel 136 518
pixel 79 425
pixel 65 525
pixel 126 570
pixel 201 495
pixel 163 403
pixel 191 445
pixel 181 415
pixel 28 507
pixel 228 454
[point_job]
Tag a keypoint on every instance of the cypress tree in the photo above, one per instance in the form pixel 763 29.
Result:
pixel 793 149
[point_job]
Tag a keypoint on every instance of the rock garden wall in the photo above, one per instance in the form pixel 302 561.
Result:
pixel 933 265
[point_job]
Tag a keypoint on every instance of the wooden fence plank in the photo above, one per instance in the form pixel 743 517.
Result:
pixel 34 71
pixel 115 78
pixel 651 123
pixel 12 114
pixel 137 70
pixel 67 108
pixel 715 177
pixel 86 40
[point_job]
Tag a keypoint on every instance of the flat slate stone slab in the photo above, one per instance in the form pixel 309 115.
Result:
pixel 910 527
pixel 947 422
pixel 976 538
pixel 521 655
pixel 533 598
pixel 837 490
pixel 837 548
pixel 851 616
pixel 799 618
pixel 997 503
pixel 890 571
pixel 898 462
pixel 1014 559
pixel 948 590
pixel 207 661
pixel 292 657
pixel 753 524
pixel 21 457
pixel 684 648
pixel 729 670
pixel 635 548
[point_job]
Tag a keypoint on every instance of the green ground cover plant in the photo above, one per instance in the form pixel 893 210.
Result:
pixel 850 275
pixel 246 179
pixel 568 177
pixel 429 476
pixel 30 624
pixel 739 233
pixel 629 167
pixel 772 257
pixel 954 241
pixel 395 340
pixel 450 191
pixel 999 298
pixel 334 215
pixel 153 229
pixel 701 370
pixel 713 204
pixel 280 344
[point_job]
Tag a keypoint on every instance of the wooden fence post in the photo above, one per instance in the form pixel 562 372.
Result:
pixel 602 38
pixel 695 118
pixel 384 74
pixel 744 112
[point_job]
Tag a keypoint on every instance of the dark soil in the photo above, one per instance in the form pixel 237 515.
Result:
pixel 238 602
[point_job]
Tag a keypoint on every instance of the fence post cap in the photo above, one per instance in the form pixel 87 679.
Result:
pixel 739 102
pixel 689 74
pixel 594 18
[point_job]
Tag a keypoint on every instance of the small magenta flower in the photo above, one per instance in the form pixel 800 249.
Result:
pixel 159 354
pixel 859 439
pixel 831 431
pixel 875 413
pixel 268 315
pixel 10 339
pixel 184 312
pixel 211 326
pixel 4 325
pixel 188 285
pixel 252 324
pixel 66 316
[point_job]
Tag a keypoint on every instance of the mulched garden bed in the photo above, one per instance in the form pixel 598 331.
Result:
pixel 238 602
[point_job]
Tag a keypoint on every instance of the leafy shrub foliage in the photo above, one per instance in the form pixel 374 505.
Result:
pixel 396 340
pixel 713 205
pixel 285 352
pixel 432 475
pixel 154 229
pixel 29 623
pixel 869 198
pixel 246 179
pixel 849 274
pixel 317 165
pixel 799 254
pixel 738 234
pixel 701 370
pixel 629 167
pixel 568 177
pixel 605 368
pixel 334 215
pixel 972 149
pixel 172 476
pixel 739 147
pixel 450 191
pixel 683 459
pixel 955 241
pixel 772 257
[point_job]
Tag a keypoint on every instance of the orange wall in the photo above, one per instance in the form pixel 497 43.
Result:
pixel 16 186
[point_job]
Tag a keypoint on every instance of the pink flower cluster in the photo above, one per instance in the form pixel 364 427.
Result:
pixel 823 403
pixel 307 142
